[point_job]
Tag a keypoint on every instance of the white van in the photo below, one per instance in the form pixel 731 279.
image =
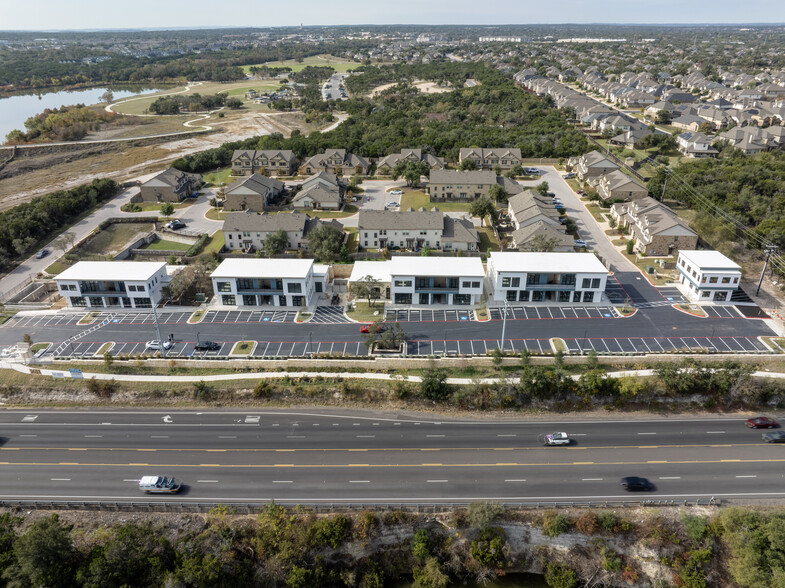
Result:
pixel 159 485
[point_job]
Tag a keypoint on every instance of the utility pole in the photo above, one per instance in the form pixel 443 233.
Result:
pixel 769 249
pixel 504 324
pixel 665 185
pixel 158 331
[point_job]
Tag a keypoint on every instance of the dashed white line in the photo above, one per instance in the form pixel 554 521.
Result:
pixel 591 479
pixel 514 480
pixel 295 436
pixel 359 481
pixel 282 481
pixel 669 478
pixel 437 481
pixel 746 476
pixel 159 436
pixel 436 435
pixel 512 435
pixel 365 436
pixel 60 479
pixel 28 435
pixel 647 433
pixel 227 436
pixel 714 432
pixel 207 481
pixel 93 436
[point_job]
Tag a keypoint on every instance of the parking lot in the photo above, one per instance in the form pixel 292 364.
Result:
pixel 246 316
pixel 554 312
pixel 411 315
pixel 328 315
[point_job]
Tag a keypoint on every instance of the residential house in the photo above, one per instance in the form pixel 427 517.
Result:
pixel 337 161
pixel 592 165
pixel 293 283
pixel 546 277
pixel 488 159
pixel 171 185
pixel 254 192
pixel 436 280
pixel 322 190
pixel 697 145
pixel 748 140
pixel 708 276
pixel 117 284
pixel 449 185
pixel 529 207
pixel 386 164
pixel 655 228
pixel 617 185
pixel 269 162
pixel 247 231
pixel 630 139
pixel 379 229
pixel 690 122
pixel 534 236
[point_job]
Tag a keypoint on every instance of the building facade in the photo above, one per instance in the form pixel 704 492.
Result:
pixel 708 276
pixel 112 284
pixel 267 163
pixel 489 159
pixel 423 281
pixel 254 193
pixel 567 278
pixel 292 283
pixel 450 185
pixel 170 185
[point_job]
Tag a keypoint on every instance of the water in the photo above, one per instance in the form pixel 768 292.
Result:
pixel 509 581
pixel 15 110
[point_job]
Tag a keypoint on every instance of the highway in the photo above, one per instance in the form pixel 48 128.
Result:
pixel 317 456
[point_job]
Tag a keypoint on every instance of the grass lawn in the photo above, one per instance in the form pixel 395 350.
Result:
pixel 692 309
pixel 351 239
pixel 88 318
pixel 156 206
pixel 36 347
pixel 337 63
pixel 595 211
pixel 217 178
pixel 362 312
pixel 488 240
pixel 114 238
pixel 776 343
pixel 214 243
pixel 243 348
pixel 215 214
pixel 417 199
pixel 559 345
pixel 163 245
pixel 104 348
pixel 260 87
pixel 659 280
pixel 196 317
pixel 56 268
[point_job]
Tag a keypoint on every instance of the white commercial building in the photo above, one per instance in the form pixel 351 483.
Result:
pixel 376 270
pixel 124 284
pixel 436 280
pixel 708 276
pixel 268 282
pixel 546 277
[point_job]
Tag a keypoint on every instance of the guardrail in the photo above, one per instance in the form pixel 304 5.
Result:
pixel 254 508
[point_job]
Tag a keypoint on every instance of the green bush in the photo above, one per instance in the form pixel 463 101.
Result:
pixel 421 544
pixel 197 247
pixel 330 531
pixel 554 524
pixel 611 560
pixel 695 526
pixel 483 514
pixel 560 576
pixel 488 549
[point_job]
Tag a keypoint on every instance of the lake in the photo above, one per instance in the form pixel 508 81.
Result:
pixel 15 110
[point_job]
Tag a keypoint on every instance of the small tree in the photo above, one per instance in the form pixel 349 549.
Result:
pixel 167 209
pixel 275 244
pixel 107 97
pixel 630 246
pixel 367 287
pixel 325 242
pixel 108 359
pixel 497 357
pixel 434 386
pixel 468 164
pixel 542 188
pixel 411 171
pixel 234 103
pixel 498 193
pixel 483 207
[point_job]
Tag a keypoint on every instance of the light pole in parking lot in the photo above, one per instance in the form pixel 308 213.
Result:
pixel 158 331
pixel 504 324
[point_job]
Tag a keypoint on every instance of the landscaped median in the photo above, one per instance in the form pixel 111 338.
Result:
pixel 243 348
pixel 88 319
pixel 363 313
pixel 105 348
pixel 558 344
pixel 692 309
pixel 197 316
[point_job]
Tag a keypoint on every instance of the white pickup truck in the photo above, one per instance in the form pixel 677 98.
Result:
pixel 159 485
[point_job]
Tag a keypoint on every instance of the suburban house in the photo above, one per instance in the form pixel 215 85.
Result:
pixel 695 145
pixel 252 192
pixel 170 185
pixel 436 280
pixel 591 165
pixel 123 284
pixel 530 207
pixel 536 235
pixel 708 276
pixel 490 158
pixel 336 161
pixel 269 162
pixel 689 122
pixel 322 190
pixel 386 164
pixel 655 227
pixel 415 229
pixel 377 270
pixel 546 277
pixel 247 231
pixel 268 282
pixel 459 185
pixel 617 185
pixel 630 139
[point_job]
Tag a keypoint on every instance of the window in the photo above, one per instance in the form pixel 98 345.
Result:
pixel 523 296
pixel 96 301
pixel 537 296
pixel 317 286
pixel 143 303
pixel 713 280
pixel 78 301
pixel 228 300
pixel 467 285
pixel 567 279
pixel 462 299
pixel 294 288
pixel 588 296
pixel 511 295
pixel 72 287
pixel 516 282
pixel 403 283
pixel 224 287
pixel 586 283
pixel 564 296
pixel 576 296
pixel 595 283
pixel 298 300
pixel 476 284
pixel 726 280
pixel 249 300
pixel 735 280
pixel 532 278
pixel 705 294
pixel 403 298
pixel 245 284
pixel 282 300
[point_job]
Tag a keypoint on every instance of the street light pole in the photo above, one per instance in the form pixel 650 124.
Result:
pixel 158 331
pixel 504 324
pixel 769 249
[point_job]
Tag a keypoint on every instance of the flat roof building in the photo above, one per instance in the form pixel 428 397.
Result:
pixel 436 280
pixel 708 276
pixel 123 284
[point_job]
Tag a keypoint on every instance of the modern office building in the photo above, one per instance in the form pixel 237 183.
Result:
pixel 708 276
pixel 103 284
pixel 436 280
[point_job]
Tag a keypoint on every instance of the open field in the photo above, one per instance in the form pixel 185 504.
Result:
pixel 217 178
pixel 421 85
pixel 339 64
pixel 417 198
pixel 114 238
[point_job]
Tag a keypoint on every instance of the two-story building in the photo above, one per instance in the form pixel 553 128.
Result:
pixel 271 162
pixel 322 191
pixel 489 159
pixel 617 185
pixel 337 161
pixel 546 277
pixel 436 280
pixel 268 282
pixel 450 185
pixel 695 144
pixel 171 185
pixel 530 207
pixel 656 229
pixel 103 284
pixel 254 193
pixel 386 164
pixel 708 276
pixel 247 231
pixel 592 165
pixel 415 229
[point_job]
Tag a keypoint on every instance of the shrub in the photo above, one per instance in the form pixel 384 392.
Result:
pixel 483 514
pixel 366 525
pixel 263 389
pixel 611 560
pixel 587 523
pixel 694 526
pixel 630 246
pixel 431 575
pixel 488 549
pixel 560 576
pixel 421 544
pixel 611 523
pixel 102 388
pixel 202 391
pixel 554 524
pixel 434 386
pixel 330 531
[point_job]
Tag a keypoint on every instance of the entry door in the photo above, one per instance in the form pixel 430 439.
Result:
pixel 424 298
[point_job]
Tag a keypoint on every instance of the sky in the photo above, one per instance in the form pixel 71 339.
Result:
pixel 100 14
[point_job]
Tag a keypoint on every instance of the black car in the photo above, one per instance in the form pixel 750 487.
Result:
pixel 206 346
pixel 636 483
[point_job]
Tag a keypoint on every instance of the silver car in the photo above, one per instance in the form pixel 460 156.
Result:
pixel 557 439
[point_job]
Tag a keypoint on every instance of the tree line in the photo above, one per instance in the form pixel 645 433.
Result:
pixel 192 103
pixel 67 123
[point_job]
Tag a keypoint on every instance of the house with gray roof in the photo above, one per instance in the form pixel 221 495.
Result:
pixel 247 231
pixel 542 236
pixel 415 229
pixel 451 185
pixel 321 191
pixel 253 193
pixel 695 145
pixel 337 161
pixel 655 228
pixel 270 162
pixel 529 207
pixel 171 185
pixel 617 185
pixel 488 159
pixel 591 165
pixel 386 164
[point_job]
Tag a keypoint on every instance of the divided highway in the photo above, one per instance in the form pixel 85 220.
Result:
pixel 326 456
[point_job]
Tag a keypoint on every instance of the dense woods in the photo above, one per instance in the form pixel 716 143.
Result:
pixel 67 123
pixel 27 226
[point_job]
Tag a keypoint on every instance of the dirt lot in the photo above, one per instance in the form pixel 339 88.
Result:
pixel 426 87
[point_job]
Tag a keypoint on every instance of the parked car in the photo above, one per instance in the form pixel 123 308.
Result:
pixel 396 192
pixel 581 192
pixel 557 439
pixel 155 345
pixel 568 176
pixel 774 436
pixel 372 328
pixel 206 346
pixel 41 254
pixel 531 171
pixel 159 485
pixel 392 204
pixel 579 243
pixel 635 483
pixel 761 422
pixel 175 224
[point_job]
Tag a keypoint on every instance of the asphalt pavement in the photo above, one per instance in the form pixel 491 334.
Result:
pixel 359 456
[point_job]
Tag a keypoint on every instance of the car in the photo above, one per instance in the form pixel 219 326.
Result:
pixel 206 346
pixel 41 254
pixel 392 204
pixel 579 243
pixel 372 328
pixel 568 176
pixel 159 485
pixel 580 192
pixel 396 192
pixel 531 171
pixel 175 224
pixel 156 345
pixel 774 436
pixel 761 422
pixel 557 439
pixel 631 483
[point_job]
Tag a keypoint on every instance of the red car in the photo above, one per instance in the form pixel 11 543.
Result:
pixel 761 422
pixel 371 328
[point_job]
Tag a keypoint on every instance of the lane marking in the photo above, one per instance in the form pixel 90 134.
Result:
pixel 365 436
pixel 647 433
pixel 359 481
pixel 715 432
pixel 433 436
pixel 28 435
pixel 513 435
pixel 227 436
pixel 60 479
pixel 437 481
pixel 207 481
pixel 282 482
pixel 514 480
pixel 591 479
pixel 746 476
pixel 669 478
pixel 159 436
